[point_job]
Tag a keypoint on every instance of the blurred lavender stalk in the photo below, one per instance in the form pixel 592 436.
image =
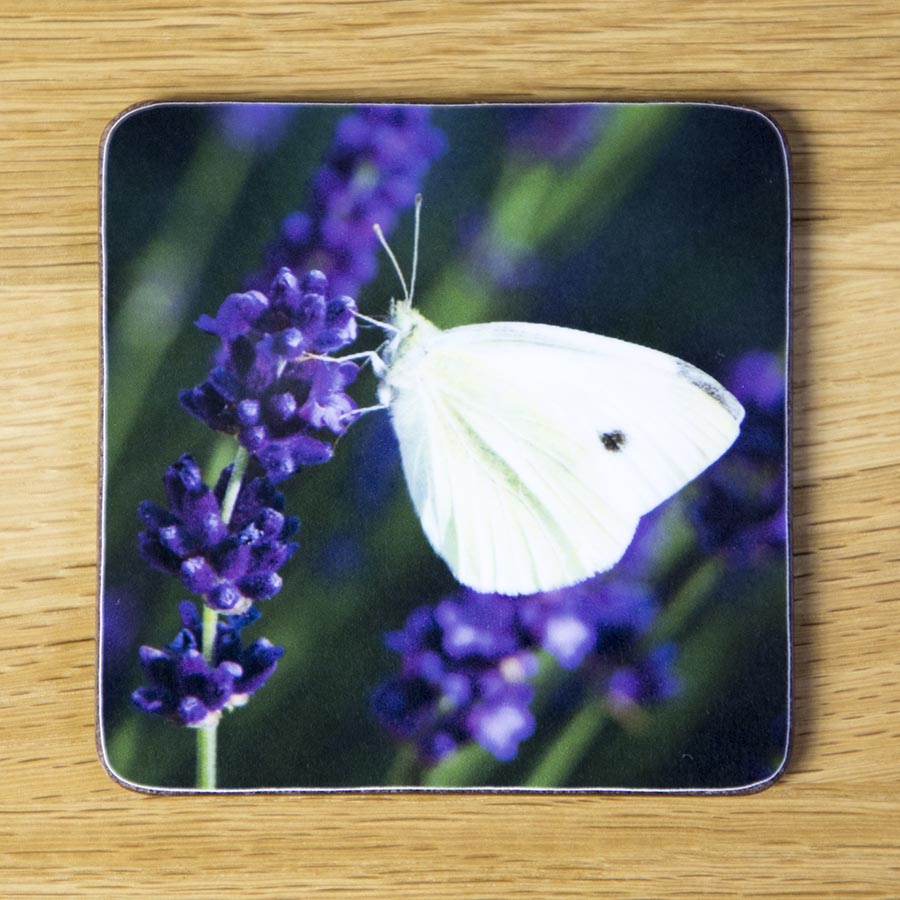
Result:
pixel 253 126
pixel 372 173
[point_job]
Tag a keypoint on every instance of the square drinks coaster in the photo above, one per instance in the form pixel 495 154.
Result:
pixel 444 447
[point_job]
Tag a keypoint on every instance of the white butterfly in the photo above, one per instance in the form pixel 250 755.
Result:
pixel 531 451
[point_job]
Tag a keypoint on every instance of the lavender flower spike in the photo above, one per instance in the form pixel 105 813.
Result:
pixel 372 173
pixel 184 687
pixel 466 664
pixel 230 565
pixel 463 680
pixel 282 405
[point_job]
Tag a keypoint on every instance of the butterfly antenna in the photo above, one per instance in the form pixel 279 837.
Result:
pixel 415 261
pixel 380 235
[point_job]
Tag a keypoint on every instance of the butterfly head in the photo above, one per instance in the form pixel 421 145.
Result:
pixel 410 326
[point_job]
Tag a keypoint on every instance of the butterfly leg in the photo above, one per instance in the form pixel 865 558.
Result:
pixel 384 326
pixel 355 414
pixel 369 356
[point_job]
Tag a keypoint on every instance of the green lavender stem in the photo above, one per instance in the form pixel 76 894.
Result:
pixel 586 726
pixel 241 458
pixel 207 735
pixel 568 750
pixel 206 753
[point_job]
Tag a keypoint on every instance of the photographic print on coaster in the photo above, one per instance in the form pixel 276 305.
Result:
pixel 444 447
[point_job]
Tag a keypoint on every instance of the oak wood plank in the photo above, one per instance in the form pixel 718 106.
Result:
pixel 829 73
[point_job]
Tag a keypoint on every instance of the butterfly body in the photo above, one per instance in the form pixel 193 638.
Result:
pixel 410 343
pixel 531 451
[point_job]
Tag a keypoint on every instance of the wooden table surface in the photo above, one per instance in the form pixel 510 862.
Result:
pixel 829 74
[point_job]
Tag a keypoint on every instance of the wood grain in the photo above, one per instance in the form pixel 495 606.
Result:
pixel 829 74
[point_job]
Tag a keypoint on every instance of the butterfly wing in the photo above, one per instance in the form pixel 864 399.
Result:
pixel 531 451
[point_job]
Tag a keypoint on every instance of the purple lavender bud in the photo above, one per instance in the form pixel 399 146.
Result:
pixel 758 378
pixel 181 479
pixel 621 667
pixel 283 406
pixel 252 126
pixel 273 523
pixel 558 132
pixel 290 344
pixel 258 662
pixel 310 313
pixel 191 711
pixel 438 745
pixel 740 512
pixel 463 679
pixel 184 687
pixel 327 406
pixel 228 565
pixel 562 629
pixel 254 438
pixel 260 586
pixel 198 576
pixel 339 327
pixel 502 720
pixel 204 402
pixel 404 705
pixel 483 626
pixel 315 282
pixel 236 315
pixel 420 630
pixel 269 556
pixel 227 598
pixel 281 458
pixel 155 516
pixel 248 412
pixel 372 173
pixel 647 680
pixel 231 557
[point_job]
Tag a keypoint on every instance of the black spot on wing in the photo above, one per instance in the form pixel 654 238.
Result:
pixel 613 441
